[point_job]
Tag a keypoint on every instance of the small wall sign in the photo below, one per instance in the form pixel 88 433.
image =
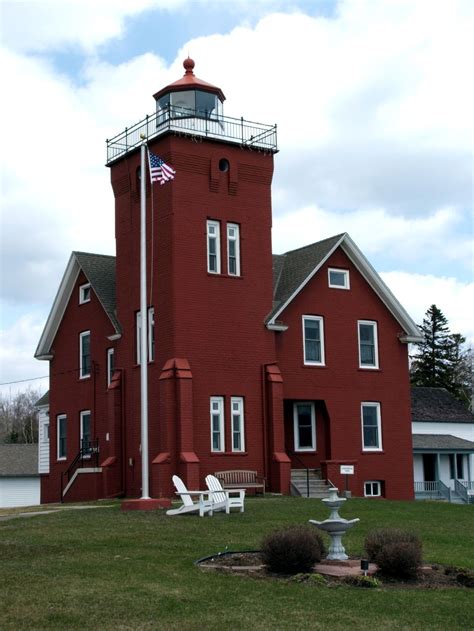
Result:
pixel 347 469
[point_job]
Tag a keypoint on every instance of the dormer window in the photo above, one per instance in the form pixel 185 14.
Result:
pixel 84 293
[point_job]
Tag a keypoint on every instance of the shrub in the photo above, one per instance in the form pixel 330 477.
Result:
pixel 396 552
pixel 361 581
pixel 292 550
pixel 466 578
pixel 309 579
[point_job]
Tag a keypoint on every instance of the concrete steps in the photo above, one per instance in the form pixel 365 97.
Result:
pixel 318 488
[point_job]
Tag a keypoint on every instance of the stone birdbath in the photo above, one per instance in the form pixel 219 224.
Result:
pixel 335 526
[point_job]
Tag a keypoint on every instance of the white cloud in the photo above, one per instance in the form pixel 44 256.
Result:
pixel 402 241
pixel 17 345
pixel 417 292
pixel 373 109
pixel 57 24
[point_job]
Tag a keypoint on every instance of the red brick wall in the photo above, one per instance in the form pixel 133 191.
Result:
pixel 342 385
pixel 69 394
pixel 215 322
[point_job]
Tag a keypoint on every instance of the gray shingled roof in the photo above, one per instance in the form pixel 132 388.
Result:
pixel 18 460
pixel 291 269
pixel 441 442
pixel 44 400
pixel 437 405
pixel 100 272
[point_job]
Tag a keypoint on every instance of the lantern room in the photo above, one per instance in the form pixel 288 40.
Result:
pixel 189 97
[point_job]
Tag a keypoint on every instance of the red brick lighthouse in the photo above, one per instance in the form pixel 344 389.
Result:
pixel 269 363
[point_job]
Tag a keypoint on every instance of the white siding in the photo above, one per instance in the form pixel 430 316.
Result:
pixel 461 430
pixel 19 491
pixel 43 440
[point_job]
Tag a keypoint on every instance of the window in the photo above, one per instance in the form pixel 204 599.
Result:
pixel 368 351
pixel 371 427
pixel 313 335
pixel 151 334
pixel 372 488
pixel 84 354
pixel 62 436
pixel 84 293
pixel 85 431
pixel 304 424
pixel 233 249
pixel 456 467
pixel 45 433
pixel 213 247
pixel 110 365
pixel 237 409
pixel 217 424
pixel 338 278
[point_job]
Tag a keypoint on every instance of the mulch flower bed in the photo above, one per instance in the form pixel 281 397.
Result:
pixel 250 564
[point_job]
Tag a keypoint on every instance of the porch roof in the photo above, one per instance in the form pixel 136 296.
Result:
pixel 441 442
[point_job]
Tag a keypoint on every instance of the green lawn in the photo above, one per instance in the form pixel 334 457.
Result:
pixel 104 569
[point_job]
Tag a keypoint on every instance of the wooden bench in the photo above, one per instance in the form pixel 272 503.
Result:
pixel 239 479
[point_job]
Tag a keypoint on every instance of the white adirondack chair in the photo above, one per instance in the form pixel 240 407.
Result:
pixel 204 504
pixel 229 498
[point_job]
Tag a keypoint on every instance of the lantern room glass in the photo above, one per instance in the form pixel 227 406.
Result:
pixel 188 103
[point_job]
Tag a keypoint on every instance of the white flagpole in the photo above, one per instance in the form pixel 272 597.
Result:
pixel 144 328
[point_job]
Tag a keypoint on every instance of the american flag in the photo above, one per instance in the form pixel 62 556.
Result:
pixel 159 170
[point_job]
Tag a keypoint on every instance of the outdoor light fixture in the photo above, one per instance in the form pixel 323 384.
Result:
pixel 364 566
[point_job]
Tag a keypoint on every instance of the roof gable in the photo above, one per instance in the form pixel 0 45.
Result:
pixel 99 270
pixel 297 268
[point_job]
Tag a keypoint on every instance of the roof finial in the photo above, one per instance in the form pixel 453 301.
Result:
pixel 188 65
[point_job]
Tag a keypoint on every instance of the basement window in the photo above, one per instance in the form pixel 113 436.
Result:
pixel 373 488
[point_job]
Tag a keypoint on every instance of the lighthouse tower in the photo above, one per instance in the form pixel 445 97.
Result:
pixel 209 271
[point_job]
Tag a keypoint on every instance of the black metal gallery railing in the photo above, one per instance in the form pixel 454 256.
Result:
pixel 195 124
pixel 88 456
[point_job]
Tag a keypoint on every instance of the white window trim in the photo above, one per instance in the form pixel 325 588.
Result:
pixel 150 328
pixel 110 354
pixel 220 401
pixel 373 482
pixel 59 418
pixel 319 319
pixel 372 323
pixel 216 236
pixel 82 335
pixel 375 405
pixel 82 289
pixel 347 284
pixel 240 402
pixel 236 239
pixel 45 433
pixel 151 334
pixel 299 449
pixel 81 427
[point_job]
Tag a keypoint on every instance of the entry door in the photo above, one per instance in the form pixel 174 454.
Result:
pixel 429 467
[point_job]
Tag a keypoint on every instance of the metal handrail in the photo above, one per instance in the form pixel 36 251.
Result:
pixel 89 451
pixel 444 490
pixel 461 490
pixel 307 469
pixel 196 124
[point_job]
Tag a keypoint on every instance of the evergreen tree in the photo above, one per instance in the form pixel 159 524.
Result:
pixel 441 360
pixel 430 366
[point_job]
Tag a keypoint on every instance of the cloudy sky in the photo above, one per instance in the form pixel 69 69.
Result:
pixel 373 101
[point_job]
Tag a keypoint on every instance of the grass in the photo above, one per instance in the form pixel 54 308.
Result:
pixel 104 569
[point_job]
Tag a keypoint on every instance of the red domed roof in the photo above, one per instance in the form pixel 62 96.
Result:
pixel 189 82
